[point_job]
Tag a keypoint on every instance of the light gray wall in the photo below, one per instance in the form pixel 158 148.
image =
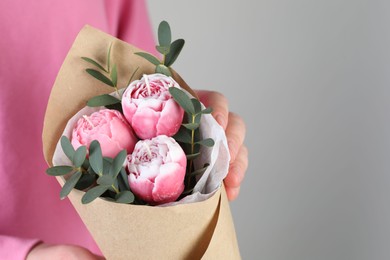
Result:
pixel 311 79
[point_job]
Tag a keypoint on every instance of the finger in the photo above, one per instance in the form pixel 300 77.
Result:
pixel 232 193
pixel 235 134
pixel 218 103
pixel 237 169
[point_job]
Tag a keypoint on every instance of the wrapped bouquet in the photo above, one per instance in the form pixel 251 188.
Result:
pixel 139 156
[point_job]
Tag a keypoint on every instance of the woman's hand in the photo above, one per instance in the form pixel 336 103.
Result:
pixel 69 252
pixel 235 133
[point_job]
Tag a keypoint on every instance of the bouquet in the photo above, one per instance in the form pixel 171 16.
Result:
pixel 139 156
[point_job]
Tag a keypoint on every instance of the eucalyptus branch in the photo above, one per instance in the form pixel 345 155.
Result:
pixel 96 174
pixel 169 50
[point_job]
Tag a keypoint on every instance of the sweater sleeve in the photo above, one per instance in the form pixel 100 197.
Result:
pixel 15 248
pixel 129 21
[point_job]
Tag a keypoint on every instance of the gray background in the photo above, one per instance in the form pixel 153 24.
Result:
pixel 311 79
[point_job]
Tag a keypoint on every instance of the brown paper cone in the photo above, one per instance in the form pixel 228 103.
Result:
pixel 189 231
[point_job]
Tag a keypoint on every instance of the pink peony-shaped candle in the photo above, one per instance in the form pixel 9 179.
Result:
pixel 109 127
pixel 150 108
pixel 157 169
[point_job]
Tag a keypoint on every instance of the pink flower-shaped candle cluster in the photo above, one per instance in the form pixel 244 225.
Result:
pixel 150 108
pixel 109 127
pixel 157 166
pixel 157 169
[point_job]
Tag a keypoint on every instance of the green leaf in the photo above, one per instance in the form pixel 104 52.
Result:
pixel 148 57
pixel 93 193
pixel 59 170
pixel 117 164
pixel 197 119
pixel 85 181
pixel 183 136
pixel 96 157
pixel 191 126
pixel 164 34
pixel 102 100
pixel 199 171
pixel 176 48
pixel 163 70
pixel 114 75
pixel 95 63
pixel 192 156
pixel 124 180
pixel 197 105
pixel 107 163
pixel 79 156
pixel 99 76
pixel 164 50
pixel 108 57
pixel 116 106
pixel 125 197
pixel 70 184
pixel 86 164
pixel 209 142
pixel 67 147
pixel 105 180
pixel 182 99
pixel 207 110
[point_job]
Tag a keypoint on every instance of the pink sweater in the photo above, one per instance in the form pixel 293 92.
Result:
pixel 35 38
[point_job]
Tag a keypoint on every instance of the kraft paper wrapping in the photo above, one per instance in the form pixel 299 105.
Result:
pixel 200 230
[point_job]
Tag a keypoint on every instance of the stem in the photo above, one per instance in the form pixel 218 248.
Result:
pixel 115 189
pixel 132 75
pixel 192 151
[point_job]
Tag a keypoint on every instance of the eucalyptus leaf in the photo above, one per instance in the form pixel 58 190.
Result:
pixel 183 136
pixel 95 63
pixel 59 170
pixel 148 57
pixel 67 147
pixel 99 76
pixel 182 99
pixel 162 69
pixel 116 106
pixel 123 176
pixel 125 197
pixel 207 110
pixel 108 57
pixel 164 34
pixel 114 75
pixel 85 181
pixel 86 164
pixel 96 157
pixel 105 180
pixel 70 184
pixel 107 164
pixel 102 100
pixel 174 52
pixel 209 142
pixel 117 164
pixel 192 156
pixel 164 50
pixel 93 193
pixel 79 156
pixel 191 126
pixel 197 105
pixel 197 118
